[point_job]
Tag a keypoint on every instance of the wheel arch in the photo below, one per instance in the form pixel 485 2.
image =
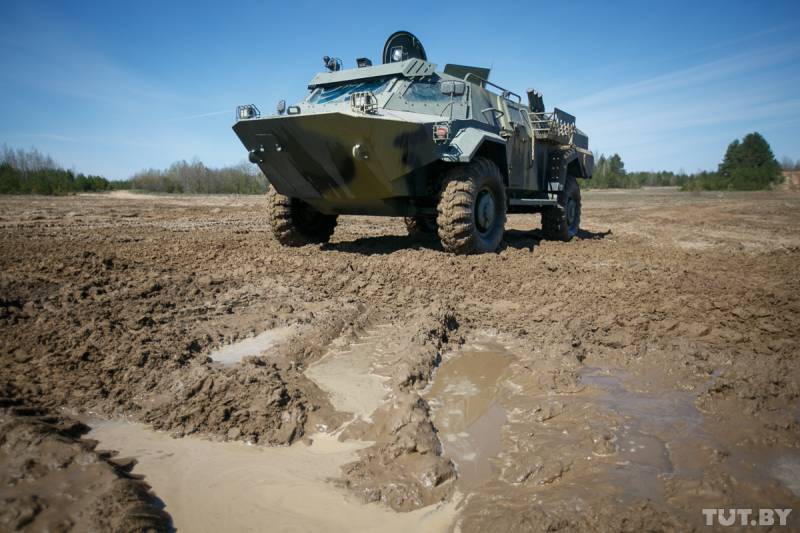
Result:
pixel 580 163
pixel 472 142
pixel 496 153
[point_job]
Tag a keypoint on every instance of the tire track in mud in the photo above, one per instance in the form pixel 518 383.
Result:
pixel 404 468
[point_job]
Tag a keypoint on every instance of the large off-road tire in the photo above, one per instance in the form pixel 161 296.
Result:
pixel 472 208
pixel 421 226
pixel 295 223
pixel 563 222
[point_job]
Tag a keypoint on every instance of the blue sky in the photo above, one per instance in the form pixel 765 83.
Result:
pixel 115 87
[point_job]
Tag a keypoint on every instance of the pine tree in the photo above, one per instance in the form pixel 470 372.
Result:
pixel 732 158
pixel 749 164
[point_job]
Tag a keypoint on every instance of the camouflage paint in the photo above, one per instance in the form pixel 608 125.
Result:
pixel 385 162
pixel 311 157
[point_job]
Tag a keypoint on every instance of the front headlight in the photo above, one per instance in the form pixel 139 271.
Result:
pixel 245 112
pixel 363 102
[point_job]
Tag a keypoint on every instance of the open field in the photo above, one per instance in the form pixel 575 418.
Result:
pixel 623 381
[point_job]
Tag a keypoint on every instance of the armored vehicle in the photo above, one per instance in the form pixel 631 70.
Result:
pixel 450 151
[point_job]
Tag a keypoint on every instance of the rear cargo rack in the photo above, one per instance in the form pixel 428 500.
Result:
pixel 555 126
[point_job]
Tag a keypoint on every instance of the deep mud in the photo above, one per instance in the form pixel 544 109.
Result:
pixel 622 381
pixel 52 480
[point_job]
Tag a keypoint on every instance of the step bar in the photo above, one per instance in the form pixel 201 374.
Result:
pixel 532 202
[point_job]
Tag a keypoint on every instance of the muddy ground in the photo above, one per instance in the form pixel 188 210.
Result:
pixel 623 381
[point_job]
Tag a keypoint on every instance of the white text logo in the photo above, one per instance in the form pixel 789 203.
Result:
pixel 746 517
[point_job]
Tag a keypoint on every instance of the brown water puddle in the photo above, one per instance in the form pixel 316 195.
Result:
pixel 348 374
pixel 648 424
pixel 466 411
pixel 617 438
pixel 663 440
pixel 231 486
pixel 623 437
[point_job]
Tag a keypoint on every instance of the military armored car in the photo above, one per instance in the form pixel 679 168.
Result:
pixel 450 151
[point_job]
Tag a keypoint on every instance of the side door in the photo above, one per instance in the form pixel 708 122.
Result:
pixel 520 163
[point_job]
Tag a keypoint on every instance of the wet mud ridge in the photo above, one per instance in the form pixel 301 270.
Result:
pixel 620 382
pixel 405 467
pixel 53 479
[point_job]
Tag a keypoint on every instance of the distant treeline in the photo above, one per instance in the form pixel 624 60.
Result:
pixel 748 165
pixel 788 164
pixel 196 178
pixel 30 172
pixel 610 173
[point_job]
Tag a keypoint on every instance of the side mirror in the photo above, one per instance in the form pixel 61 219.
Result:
pixel 453 88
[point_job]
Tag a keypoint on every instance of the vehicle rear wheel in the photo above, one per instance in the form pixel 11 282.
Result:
pixel 563 222
pixel 295 223
pixel 421 225
pixel 472 208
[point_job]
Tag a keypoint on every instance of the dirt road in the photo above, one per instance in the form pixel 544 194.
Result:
pixel 623 381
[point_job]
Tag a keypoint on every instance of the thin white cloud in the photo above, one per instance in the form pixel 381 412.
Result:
pixel 89 140
pixel 46 55
pixel 203 115
pixel 688 114
pixel 49 137
pixel 688 77
pixel 691 116
pixel 728 43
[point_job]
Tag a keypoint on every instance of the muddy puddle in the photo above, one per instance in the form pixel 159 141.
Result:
pixel 465 408
pixel 630 437
pixel 645 427
pixel 348 374
pixel 231 486
pixel 618 436
pixel 231 354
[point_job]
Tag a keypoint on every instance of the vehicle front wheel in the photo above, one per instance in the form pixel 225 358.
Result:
pixel 563 222
pixel 472 208
pixel 295 223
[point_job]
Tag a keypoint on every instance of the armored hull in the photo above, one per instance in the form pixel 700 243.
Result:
pixel 342 163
